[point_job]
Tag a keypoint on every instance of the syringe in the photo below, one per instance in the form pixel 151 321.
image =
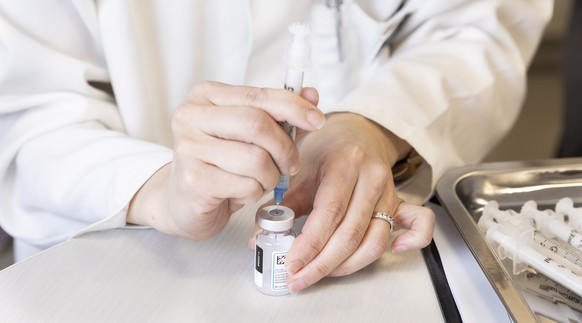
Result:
pixel 492 215
pixel 574 215
pixel 551 226
pixel 521 252
pixel 572 255
pixel 297 59
pixel 547 288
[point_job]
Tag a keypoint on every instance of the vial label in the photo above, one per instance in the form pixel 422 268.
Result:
pixel 258 266
pixel 279 279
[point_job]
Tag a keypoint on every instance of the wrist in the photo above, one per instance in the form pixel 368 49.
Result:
pixel 149 200
pixel 393 149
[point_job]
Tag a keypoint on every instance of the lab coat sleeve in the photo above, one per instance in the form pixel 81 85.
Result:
pixel 454 81
pixel 65 160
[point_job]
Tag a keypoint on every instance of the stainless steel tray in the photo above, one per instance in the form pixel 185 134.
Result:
pixel 464 192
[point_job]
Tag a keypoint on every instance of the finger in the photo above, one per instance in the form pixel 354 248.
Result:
pixel 347 237
pixel 419 221
pixel 251 243
pixel 242 124
pixel 311 95
pixel 375 242
pixel 373 246
pixel 238 158
pixel 208 186
pixel 329 207
pixel 281 104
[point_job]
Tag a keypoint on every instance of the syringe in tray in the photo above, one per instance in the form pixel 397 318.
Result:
pixel 527 237
pixel 552 224
pixel 548 298
pixel 544 287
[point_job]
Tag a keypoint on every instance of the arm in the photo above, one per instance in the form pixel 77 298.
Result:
pixel 97 151
pixel 456 78
pixel 65 158
pixel 451 88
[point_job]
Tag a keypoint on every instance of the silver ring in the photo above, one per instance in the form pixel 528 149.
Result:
pixel 386 217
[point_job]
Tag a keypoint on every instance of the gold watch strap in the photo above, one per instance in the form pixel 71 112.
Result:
pixel 405 168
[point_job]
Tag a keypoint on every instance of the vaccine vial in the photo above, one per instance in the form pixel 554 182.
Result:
pixel 271 246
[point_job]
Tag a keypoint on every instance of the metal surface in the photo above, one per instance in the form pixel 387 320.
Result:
pixel 464 192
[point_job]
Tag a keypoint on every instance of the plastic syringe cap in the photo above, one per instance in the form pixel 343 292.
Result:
pixel 276 218
pixel 298 51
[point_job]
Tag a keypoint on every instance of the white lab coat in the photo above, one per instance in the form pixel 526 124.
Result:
pixel 71 155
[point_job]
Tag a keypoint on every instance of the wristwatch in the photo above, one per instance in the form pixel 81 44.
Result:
pixel 405 168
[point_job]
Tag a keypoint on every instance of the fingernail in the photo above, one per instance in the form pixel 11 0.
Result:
pixel 296 285
pixel 399 248
pixel 294 266
pixel 316 118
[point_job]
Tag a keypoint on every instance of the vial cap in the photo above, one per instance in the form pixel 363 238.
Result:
pixel 276 218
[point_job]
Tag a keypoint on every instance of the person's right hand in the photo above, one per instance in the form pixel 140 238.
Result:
pixel 228 151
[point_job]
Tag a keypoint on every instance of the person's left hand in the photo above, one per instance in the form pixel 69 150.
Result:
pixel 346 177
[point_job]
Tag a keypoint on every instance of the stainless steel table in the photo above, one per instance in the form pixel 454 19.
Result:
pixel 141 275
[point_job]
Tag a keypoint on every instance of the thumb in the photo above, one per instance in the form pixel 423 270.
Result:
pixel 419 222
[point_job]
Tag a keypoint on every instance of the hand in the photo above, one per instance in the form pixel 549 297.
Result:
pixel 228 151
pixel 345 178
